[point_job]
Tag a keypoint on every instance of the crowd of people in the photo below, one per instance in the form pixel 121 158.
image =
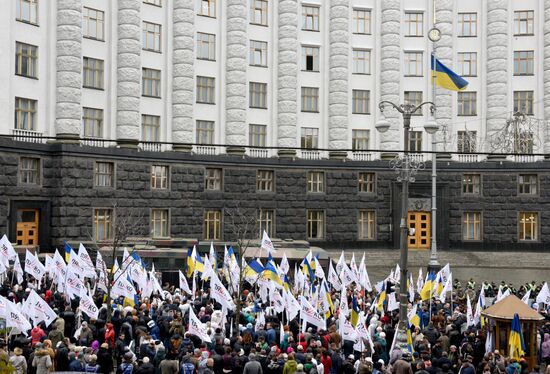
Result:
pixel 152 337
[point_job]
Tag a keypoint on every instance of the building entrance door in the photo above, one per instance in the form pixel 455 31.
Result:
pixel 27 226
pixel 421 223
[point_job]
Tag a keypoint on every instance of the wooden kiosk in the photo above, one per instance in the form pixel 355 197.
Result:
pixel 500 317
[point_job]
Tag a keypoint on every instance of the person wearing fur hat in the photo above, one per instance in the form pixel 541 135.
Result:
pixel 18 361
pixel 42 360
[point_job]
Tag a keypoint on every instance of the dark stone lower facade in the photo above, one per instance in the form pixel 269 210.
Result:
pixel 66 196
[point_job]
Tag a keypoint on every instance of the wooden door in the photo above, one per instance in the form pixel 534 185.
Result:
pixel 421 223
pixel 27 226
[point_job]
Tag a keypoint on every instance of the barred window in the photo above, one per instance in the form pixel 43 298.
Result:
pixel 257 135
pixel 207 8
pixel 471 184
pixel 212 224
pixel 524 142
pixel 266 222
pixel 92 73
pixel 150 82
pixel 310 58
pixel 206 87
pixel 414 24
pixel 92 122
pixel 309 138
pixel 205 132
pixel 361 101
pixel 310 18
pixel 213 179
pixel 159 223
pixel 29 170
pixel 104 174
pixel 26 58
pixel 467 24
pixel 315 181
pixel 92 23
pixel 258 53
pixel 466 141
pixel 159 177
pixel 362 21
pixel 264 180
pixel 528 184
pixel 524 22
pixel 360 140
pixel 258 12
pixel 315 224
pixel 25 114
pixel 26 11
pixel 103 224
pixel 524 62
pixel 467 64
pixel 471 226
pixel 367 182
pixel 150 128
pixel 151 36
pixel 413 64
pixel 415 141
pixel 310 99
pixel 467 103
pixel 361 61
pixel 206 46
pixel 258 95
pixel 367 224
pixel 523 102
pixel 414 98
pixel 528 226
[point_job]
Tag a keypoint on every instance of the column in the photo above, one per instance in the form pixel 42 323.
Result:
pixel 128 73
pixel 236 80
pixel 546 72
pixel 338 78
pixel 287 77
pixel 497 67
pixel 390 73
pixel 183 83
pixel 68 110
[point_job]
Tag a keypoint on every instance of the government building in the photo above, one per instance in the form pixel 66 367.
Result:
pixel 199 114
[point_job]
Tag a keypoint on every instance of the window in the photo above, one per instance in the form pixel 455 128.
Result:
pixel 159 177
pixel 361 21
pixel 467 103
pixel 310 18
pixel 361 61
pixel 367 224
pixel 315 224
pixel 29 170
pixel 467 64
pixel 523 102
pixel 257 135
pixel 151 37
pixel 360 140
pixel 205 132
pixel 26 11
pixel 414 98
pixel 264 180
pixel 467 24
pixel 150 82
pixel 524 62
pixel 26 56
pixel 413 64
pixel 206 87
pixel 159 223
pixel 258 12
pixel 258 53
pixel 150 128
pixel 471 226
pixel 524 22
pixel 206 46
pixel 309 138
pixel 207 8
pixel 266 222
pixel 367 182
pixel 415 141
pixel 315 181
pixel 104 174
pixel 524 142
pixel 92 23
pixel 212 224
pixel 153 2
pixel 25 114
pixel 361 101
pixel 414 24
pixel 527 184
pixel 528 226
pixel 471 184
pixel 310 58
pixel 92 122
pixel 310 99
pixel 466 141
pixel 103 224
pixel 258 95
pixel 213 179
pixel 92 73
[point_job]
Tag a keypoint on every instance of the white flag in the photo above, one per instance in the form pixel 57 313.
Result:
pixel 392 302
pixel 319 272
pixel 208 269
pixel 122 287
pixel 469 312
pixel 74 263
pixel 420 280
pixel 6 250
pixel 292 305
pixel 310 314
pixel 502 295
pixel 267 244
pixel 86 262
pixel 88 306
pixel 448 287
pixel 33 266
pixel 260 321
pixel 183 284
pixel 18 270
pixel 347 276
pixel 333 277
pixel 526 297
pixel 284 266
pixel 364 275
pixel 340 264
pixel 38 310
pixel 73 284
pixel 220 293
pixel 15 319
pixel 348 332
pixel 197 328
pixel 544 295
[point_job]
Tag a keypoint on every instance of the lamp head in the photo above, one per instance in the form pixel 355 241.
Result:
pixel 382 125
pixel 431 126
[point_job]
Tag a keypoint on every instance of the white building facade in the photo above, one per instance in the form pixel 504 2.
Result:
pixel 288 73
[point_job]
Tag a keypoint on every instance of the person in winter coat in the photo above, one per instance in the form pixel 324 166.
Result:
pixel 104 359
pixel 74 363
pixel 252 366
pixel 56 335
pixel 91 366
pixel 545 349
pixel 42 360
pixel 37 334
pixel 86 335
pixel 291 365
pixel 146 367
pixel 110 335
pixel 18 361
pixel 62 357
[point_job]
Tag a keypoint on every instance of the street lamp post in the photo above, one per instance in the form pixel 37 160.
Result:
pixel 406 167
pixel 433 265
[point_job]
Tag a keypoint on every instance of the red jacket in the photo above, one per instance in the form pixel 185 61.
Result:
pixel 110 335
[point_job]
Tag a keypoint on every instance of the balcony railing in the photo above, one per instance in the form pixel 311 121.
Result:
pixel 151 146
pixel 311 155
pixel 205 150
pixel 94 142
pixel 258 153
pixel 467 158
pixel 361 156
pixel 30 136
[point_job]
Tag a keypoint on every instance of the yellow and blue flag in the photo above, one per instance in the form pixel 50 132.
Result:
pixel 446 78
pixel 426 292
pixel 516 346
pixel 410 345
pixel 354 311
pixel 68 250
pixel 307 269
pixel 382 297
pixel 190 262
pixel 270 271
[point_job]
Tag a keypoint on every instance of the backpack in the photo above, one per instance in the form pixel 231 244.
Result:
pixel 187 368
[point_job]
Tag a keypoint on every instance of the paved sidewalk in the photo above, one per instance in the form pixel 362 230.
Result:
pixel 493 266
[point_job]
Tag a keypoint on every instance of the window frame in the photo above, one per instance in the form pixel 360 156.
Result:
pixel 306 138
pixel 366 182
pixel 321 220
pixel 368 220
pixel 211 42
pixel 30 110
pixel 166 220
pixel 465 183
pixel 156 82
pixel 93 69
pixel 157 36
pixel 529 62
pixel 471 63
pixel 213 182
pixel 464 137
pixel 528 101
pixel 407 22
pixel 366 62
pixel 465 221
pixel 265 181
pixel 111 223
pixel 150 127
pixel 254 8
pixel 264 222
pixel 208 132
pixel 98 174
pixel 360 105
pixel 315 185
pixel 536 226
pixel 257 135
pixel 96 122
pixel 315 17
pixel 517 22
pixel 217 221
pixel 309 95
pixel 461 22
pixel 31 57
pixel 460 104
pixel 366 20
pixel 212 8
pixel 417 140
pixel 418 64
pixel 163 179
pixel 208 96
pixel 32 4
pixel 38 171
pixel 356 140
pixel 263 50
pixel 418 100
pixel 257 95
pixel 85 21
pixel 315 58
pixel 523 184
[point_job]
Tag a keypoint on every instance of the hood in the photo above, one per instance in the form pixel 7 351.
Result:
pixel 546 337
pixel 292 364
pixel 41 352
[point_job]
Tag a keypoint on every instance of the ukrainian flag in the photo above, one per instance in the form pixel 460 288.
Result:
pixel 68 250
pixel 414 318
pixel 253 269
pixel 199 263
pixel 382 297
pixel 307 269
pixel 324 285
pixel 438 287
pixel 270 271
pixel 190 263
pixel 426 292
pixel 516 346
pixel 410 345
pixel 446 78
pixel 354 311
pixel 286 283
